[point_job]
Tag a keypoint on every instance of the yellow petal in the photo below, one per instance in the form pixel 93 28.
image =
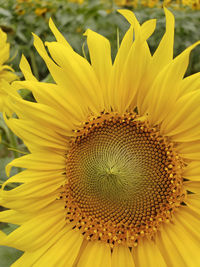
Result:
pixel 162 56
pixel 15 217
pixel 148 28
pixel 59 37
pixel 96 254
pixel 183 118
pixel 32 135
pixel 164 52
pixel 189 249
pixel 190 83
pixel 4 53
pixel 193 186
pixel 131 18
pixel 40 161
pixel 40 113
pixel 56 97
pixel 118 66
pixel 36 232
pixel 33 190
pixel 100 56
pixel 121 256
pixel 193 202
pixel 8 75
pixel 161 97
pixel 73 65
pixel 126 90
pixel 5 90
pixel 192 171
pixel 189 150
pixel 55 70
pixel 3 37
pixel 29 176
pixel 29 258
pixel 82 77
pixel 190 135
pixel 64 252
pixel 168 249
pixel 2 235
pixel 25 205
pixel 26 69
pixel 147 254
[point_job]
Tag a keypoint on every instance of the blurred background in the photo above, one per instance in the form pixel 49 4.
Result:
pixel 19 18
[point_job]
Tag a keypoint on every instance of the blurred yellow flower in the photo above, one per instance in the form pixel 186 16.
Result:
pixel 126 2
pixel 150 3
pixel 79 29
pixel 76 1
pixel 40 11
pixel 194 4
pixel 167 2
pixel 120 2
pixel 24 1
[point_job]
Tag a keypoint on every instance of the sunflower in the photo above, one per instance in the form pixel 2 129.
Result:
pixel 77 1
pixel 112 178
pixel 5 70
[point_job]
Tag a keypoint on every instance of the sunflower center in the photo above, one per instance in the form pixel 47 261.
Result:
pixel 124 179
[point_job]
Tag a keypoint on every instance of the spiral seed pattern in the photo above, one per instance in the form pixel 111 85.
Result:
pixel 124 179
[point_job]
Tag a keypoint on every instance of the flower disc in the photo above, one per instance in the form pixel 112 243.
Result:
pixel 123 179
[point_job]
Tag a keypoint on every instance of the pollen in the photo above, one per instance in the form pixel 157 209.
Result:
pixel 123 179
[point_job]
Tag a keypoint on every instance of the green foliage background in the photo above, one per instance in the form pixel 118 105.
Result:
pixel 18 20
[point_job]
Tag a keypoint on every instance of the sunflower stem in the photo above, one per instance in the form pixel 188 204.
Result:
pixel 13 142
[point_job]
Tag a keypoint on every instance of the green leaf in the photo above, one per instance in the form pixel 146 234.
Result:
pixel 8 256
pixel 5 12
